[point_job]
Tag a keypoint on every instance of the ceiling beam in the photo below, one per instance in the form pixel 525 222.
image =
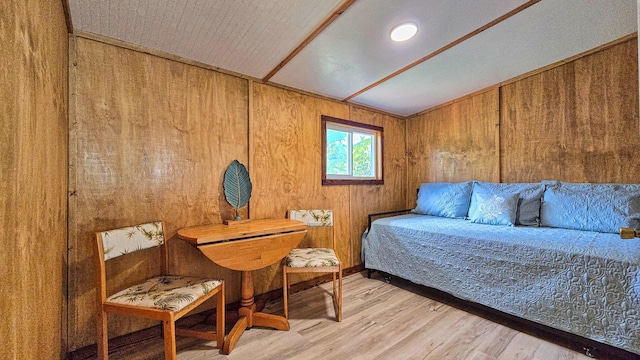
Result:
pixel 341 9
pixel 446 47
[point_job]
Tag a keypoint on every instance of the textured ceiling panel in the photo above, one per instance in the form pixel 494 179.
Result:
pixel 356 50
pixel 246 36
pixel 545 33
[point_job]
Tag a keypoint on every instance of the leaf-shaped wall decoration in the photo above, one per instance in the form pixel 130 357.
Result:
pixel 237 185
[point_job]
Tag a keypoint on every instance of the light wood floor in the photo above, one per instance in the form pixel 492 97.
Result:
pixel 381 321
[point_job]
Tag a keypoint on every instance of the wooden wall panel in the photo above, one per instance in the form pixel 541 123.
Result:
pixel 576 122
pixel 454 142
pixel 285 169
pixel 153 139
pixel 33 179
pixel 366 199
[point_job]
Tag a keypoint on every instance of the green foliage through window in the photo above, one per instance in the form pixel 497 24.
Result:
pixel 363 155
pixel 337 148
pixel 352 152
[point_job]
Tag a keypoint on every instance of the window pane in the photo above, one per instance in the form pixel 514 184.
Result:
pixel 337 150
pixel 351 152
pixel 363 164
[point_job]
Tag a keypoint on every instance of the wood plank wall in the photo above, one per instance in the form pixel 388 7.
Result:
pixel 33 179
pixel 577 121
pixel 153 138
pixel 454 142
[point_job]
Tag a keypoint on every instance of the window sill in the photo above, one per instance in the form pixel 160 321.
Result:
pixel 351 182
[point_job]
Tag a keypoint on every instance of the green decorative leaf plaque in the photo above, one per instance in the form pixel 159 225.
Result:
pixel 237 186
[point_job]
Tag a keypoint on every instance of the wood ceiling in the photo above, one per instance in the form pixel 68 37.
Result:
pixel 341 49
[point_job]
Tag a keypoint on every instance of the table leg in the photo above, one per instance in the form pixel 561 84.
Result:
pixel 268 320
pixel 245 313
pixel 234 335
pixel 249 317
pixel 247 303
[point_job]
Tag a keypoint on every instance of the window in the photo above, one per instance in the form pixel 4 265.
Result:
pixel 351 153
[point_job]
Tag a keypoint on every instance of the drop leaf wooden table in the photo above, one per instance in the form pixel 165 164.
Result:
pixel 246 247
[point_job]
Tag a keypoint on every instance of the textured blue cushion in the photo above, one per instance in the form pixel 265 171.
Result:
pixel 444 199
pixel 528 211
pixel 591 207
pixel 493 208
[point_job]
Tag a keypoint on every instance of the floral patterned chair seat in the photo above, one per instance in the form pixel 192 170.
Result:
pixel 167 292
pixel 312 257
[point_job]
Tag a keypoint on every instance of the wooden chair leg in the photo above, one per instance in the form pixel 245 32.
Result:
pixel 169 333
pixel 103 336
pixel 285 294
pixel 220 317
pixel 340 294
pixel 334 284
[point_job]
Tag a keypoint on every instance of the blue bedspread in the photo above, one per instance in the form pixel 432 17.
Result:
pixel 582 282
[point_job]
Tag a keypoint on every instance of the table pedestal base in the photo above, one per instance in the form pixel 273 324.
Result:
pixel 249 317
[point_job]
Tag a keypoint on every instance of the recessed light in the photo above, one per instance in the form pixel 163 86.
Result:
pixel 404 31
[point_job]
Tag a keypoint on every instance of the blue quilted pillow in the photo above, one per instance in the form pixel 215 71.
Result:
pixel 444 199
pixel 528 211
pixel 591 207
pixel 493 208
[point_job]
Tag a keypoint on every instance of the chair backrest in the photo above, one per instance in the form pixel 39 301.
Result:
pixel 313 218
pixel 113 243
pixel 130 239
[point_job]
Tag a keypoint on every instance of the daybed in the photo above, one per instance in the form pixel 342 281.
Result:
pixel 547 252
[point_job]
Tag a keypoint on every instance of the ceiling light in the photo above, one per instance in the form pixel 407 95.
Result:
pixel 404 31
